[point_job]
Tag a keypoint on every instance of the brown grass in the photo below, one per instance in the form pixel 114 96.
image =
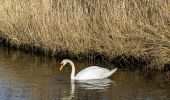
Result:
pixel 110 27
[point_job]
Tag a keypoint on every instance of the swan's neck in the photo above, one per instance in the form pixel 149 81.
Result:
pixel 73 69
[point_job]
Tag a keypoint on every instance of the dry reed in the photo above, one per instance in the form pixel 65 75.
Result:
pixel 138 28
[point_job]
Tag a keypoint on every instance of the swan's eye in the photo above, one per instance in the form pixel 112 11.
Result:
pixel 61 64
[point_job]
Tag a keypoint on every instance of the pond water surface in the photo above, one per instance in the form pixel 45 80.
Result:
pixel 26 76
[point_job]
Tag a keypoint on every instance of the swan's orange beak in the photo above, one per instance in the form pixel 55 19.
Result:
pixel 61 67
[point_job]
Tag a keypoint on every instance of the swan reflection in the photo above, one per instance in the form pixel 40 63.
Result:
pixel 71 92
pixel 96 84
pixel 100 84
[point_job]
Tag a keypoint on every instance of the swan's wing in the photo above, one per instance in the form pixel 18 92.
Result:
pixel 93 72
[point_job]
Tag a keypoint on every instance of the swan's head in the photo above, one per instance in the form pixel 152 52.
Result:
pixel 63 63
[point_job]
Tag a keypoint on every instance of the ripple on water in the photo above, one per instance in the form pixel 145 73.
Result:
pixel 29 77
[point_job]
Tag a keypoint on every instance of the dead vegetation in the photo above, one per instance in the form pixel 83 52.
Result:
pixel 121 29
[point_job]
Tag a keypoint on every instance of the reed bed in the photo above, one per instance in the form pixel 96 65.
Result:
pixel 138 30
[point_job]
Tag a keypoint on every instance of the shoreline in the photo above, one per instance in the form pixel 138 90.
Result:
pixel 121 61
pixel 125 33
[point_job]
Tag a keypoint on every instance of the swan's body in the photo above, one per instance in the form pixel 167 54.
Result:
pixel 92 72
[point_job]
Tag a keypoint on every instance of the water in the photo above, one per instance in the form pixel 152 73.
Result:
pixel 30 77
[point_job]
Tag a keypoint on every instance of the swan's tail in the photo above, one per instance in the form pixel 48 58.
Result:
pixel 110 73
pixel 113 71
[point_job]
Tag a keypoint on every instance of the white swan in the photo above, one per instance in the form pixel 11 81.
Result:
pixel 92 72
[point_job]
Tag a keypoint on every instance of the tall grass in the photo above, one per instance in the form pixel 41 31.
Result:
pixel 138 28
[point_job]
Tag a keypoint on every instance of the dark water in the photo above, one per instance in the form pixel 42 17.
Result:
pixel 29 77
